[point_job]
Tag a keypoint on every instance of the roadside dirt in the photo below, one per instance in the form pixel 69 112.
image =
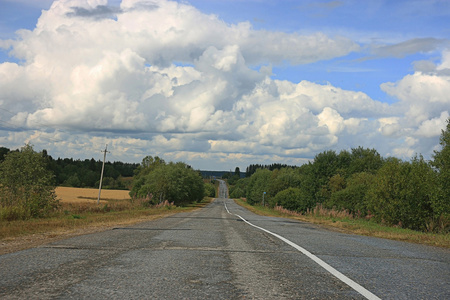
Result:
pixel 35 240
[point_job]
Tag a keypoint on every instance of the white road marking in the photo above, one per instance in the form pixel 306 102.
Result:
pixel 360 289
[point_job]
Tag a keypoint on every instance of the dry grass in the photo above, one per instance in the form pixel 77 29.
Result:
pixel 345 222
pixel 79 214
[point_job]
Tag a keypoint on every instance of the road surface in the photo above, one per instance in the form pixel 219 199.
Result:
pixel 223 251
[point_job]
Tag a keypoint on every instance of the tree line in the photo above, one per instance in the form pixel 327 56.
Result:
pixel 28 179
pixel 411 194
pixel 253 167
pixel 84 173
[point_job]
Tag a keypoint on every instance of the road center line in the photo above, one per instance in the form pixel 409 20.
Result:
pixel 360 289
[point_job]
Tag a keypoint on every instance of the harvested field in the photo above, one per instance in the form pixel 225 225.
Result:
pixel 79 195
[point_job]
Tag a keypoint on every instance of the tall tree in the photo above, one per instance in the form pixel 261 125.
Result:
pixel 442 163
pixel 26 185
pixel 237 172
pixel 3 152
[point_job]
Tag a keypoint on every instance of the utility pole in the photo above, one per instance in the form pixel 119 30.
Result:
pixel 101 176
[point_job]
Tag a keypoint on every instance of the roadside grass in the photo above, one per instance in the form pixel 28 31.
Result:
pixel 340 221
pixel 71 217
pixel 79 213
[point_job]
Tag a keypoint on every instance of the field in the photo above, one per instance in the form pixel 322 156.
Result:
pixel 77 195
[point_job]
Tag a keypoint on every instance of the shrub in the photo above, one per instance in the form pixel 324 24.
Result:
pixel 402 193
pixel 257 185
pixel 237 192
pixel 352 198
pixel 26 186
pixel 175 182
pixel 210 190
pixel 293 199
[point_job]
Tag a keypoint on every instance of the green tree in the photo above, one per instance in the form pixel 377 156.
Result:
pixel 441 203
pixel 365 160
pixel 148 164
pixel 352 197
pixel 210 190
pixel 3 152
pixel 402 193
pixel 282 179
pixel 175 182
pixel 239 189
pixel 237 172
pixel 325 166
pixel 257 185
pixel 26 186
pixel 294 199
pixel 237 192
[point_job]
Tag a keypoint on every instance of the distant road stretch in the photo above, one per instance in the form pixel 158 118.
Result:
pixel 223 251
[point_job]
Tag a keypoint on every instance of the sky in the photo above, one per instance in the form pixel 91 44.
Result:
pixel 224 84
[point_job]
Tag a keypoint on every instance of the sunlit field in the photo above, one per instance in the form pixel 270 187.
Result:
pixel 78 195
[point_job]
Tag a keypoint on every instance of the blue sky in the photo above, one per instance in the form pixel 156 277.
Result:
pixel 288 79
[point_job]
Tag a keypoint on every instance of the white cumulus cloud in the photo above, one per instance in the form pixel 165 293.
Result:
pixel 160 77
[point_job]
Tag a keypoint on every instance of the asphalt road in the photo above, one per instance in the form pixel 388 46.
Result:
pixel 213 253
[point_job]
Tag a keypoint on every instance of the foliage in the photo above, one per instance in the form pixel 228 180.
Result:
pixel 352 196
pixel 402 193
pixel 86 173
pixel 3 152
pixel 233 179
pixel 257 185
pixel 441 204
pixel 175 182
pixel 282 179
pixel 363 184
pixel 238 190
pixel 237 172
pixel 364 160
pixel 210 190
pixel 26 185
pixel 294 199
pixel 251 169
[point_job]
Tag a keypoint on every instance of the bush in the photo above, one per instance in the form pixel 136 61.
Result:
pixel 293 199
pixel 257 185
pixel 402 193
pixel 237 192
pixel 210 190
pixel 352 198
pixel 175 182
pixel 26 186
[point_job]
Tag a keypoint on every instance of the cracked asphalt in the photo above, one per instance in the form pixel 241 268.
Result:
pixel 211 254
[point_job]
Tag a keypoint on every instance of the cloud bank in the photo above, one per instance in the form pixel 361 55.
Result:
pixel 162 78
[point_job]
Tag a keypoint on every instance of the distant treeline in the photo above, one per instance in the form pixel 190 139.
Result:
pixel 218 174
pixel 276 166
pixel 85 173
